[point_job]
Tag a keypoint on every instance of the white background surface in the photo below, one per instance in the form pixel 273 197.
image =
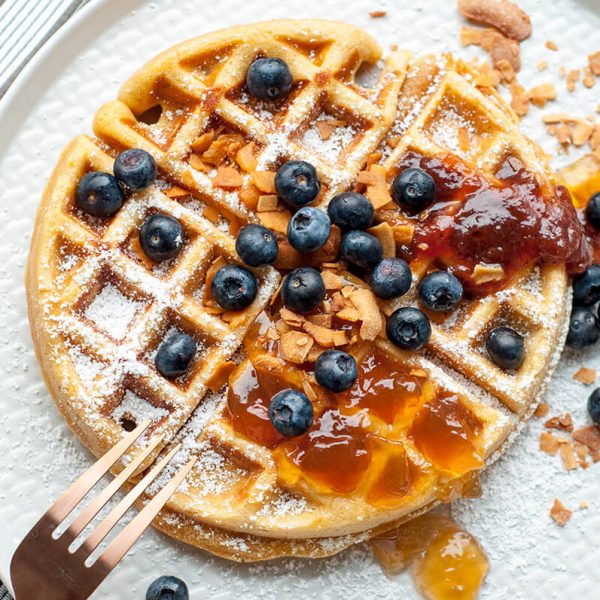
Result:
pixel 55 99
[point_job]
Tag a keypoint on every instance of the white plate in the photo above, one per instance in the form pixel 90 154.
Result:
pixel 55 99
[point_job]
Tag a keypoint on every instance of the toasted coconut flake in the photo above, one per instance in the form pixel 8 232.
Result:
pixel 540 95
pixel 327 126
pixel 484 273
pixel 562 422
pixel 542 65
pixel 322 320
pixel 268 362
pixel 505 16
pixel 267 203
pixel 197 163
pixel 295 346
pixel 203 141
pixel 372 322
pixel 551 45
pixel 548 443
pixel 594 63
pixel 228 178
pixel 332 280
pixel 322 335
pixel 542 409
pixel 581 453
pixel 348 313
pixel 246 157
pixel 572 79
pixel 588 436
pixel 264 181
pixel 567 456
pixel 519 99
pixel 498 46
pixel 291 318
pixel 176 192
pixel 581 133
pixel 560 513
pixel 377 14
pixel 385 234
pixel 585 375
pixel 404 234
pixel 340 338
pixel 275 220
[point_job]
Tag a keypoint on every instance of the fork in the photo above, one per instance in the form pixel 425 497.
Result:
pixel 44 565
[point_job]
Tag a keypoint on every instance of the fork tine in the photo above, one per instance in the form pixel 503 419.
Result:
pixel 77 490
pixel 104 527
pixel 94 507
pixel 117 549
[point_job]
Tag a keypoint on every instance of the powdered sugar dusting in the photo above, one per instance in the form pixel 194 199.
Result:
pixel 112 311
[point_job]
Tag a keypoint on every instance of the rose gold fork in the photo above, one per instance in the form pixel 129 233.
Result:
pixel 44 567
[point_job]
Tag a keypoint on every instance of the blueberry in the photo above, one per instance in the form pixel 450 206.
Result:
pixel 351 210
pixel 308 229
pixel 592 211
pixel 303 290
pixel 593 406
pixel 584 328
pixel 161 237
pixel 440 291
pixel 506 348
pixel 167 588
pixel 413 189
pixel 336 370
pixel 269 79
pixel 256 245
pixel 99 194
pixel 408 328
pixel 361 248
pixel 135 169
pixel 174 355
pixel 586 287
pixel 291 412
pixel 297 183
pixel 390 278
pixel 234 287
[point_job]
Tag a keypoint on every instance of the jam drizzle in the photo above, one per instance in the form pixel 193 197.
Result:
pixel 512 221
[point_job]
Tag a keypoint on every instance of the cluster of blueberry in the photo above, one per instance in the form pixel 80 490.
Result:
pixel 584 328
pixel 168 587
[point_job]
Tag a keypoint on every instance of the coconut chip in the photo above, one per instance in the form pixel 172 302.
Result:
pixel 505 16
pixel 295 346
pixel 549 443
pixel 372 322
pixel 585 375
pixel 560 513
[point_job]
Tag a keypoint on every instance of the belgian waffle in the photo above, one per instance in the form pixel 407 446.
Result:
pixel 98 310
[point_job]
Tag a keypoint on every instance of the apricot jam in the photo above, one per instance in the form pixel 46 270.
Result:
pixel 445 432
pixel 249 394
pixel 511 221
pixel 333 455
pixel 447 562
pixel 387 389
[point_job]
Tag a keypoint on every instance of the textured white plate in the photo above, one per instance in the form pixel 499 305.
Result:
pixel 55 99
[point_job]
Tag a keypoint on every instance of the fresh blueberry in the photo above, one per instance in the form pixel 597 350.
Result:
pixel 336 370
pixel 413 189
pixel 593 406
pixel 233 287
pixel 586 287
pixel 351 210
pixel 390 278
pixel 584 328
pixel 135 169
pixel 592 211
pixel 161 237
pixel 174 355
pixel 361 248
pixel 506 348
pixel 303 290
pixel 167 588
pixel 408 328
pixel 308 229
pixel 99 194
pixel 297 183
pixel 256 245
pixel 269 79
pixel 440 291
pixel 291 412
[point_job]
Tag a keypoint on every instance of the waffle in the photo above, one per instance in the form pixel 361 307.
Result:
pixel 98 310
